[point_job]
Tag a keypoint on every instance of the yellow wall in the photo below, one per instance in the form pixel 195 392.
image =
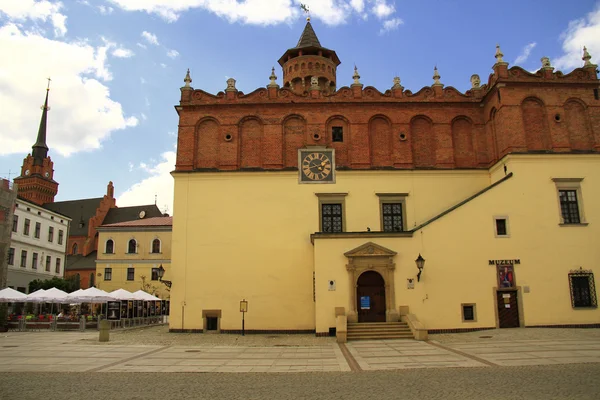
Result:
pixel 246 235
pixel 143 261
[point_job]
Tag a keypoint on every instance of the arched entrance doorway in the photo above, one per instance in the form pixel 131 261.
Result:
pixel 370 297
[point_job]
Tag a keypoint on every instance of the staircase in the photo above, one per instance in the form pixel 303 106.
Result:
pixel 379 330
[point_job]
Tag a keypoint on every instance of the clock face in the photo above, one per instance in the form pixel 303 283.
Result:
pixel 316 166
pixel 47 174
pixel 27 172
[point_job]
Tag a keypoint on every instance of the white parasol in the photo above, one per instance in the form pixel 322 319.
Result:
pixel 90 295
pixel 39 296
pixel 122 294
pixel 9 295
pixel 141 295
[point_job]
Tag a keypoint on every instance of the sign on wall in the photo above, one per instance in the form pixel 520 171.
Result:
pixel 365 302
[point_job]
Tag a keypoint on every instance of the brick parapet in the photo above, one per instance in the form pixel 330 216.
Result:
pixel 494 123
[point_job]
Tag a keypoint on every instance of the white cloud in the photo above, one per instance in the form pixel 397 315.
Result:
pixel 390 25
pixel 581 32
pixel 172 54
pixel 264 12
pixel 142 80
pixel 122 53
pixel 143 46
pixel 382 9
pixel 150 38
pixel 104 10
pixel 144 117
pixel 163 65
pixel 159 183
pixel 82 115
pixel 525 53
pixel 36 11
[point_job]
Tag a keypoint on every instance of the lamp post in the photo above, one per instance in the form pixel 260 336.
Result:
pixel 420 264
pixel 243 310
pixel 161 273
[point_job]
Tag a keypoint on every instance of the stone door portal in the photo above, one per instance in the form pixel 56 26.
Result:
pixel 370 295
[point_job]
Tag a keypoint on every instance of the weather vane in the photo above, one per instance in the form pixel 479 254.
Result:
pixel 304 8
pixel 48 88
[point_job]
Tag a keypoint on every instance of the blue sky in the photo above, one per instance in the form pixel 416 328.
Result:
pixel 117 66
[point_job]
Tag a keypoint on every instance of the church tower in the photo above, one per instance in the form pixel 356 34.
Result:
pixel 36 183
pixel 309 60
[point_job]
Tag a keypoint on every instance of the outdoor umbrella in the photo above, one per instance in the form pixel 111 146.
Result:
pixel 37 297
pixel 9 295
pixel 141 295
pixel 90 295
pixel 122 294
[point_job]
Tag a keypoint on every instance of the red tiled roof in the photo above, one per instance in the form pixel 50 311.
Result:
pixel 156 221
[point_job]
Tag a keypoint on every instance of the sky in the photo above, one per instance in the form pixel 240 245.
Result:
pixel 117 66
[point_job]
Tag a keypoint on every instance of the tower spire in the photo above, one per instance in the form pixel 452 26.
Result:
pixel 40 148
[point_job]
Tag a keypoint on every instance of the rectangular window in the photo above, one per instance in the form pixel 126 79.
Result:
pixel 570 201
pixel 392 217
pixel 130 274
pixel 468 313
pixel 583 289
pixel 11 256
pixel 568 206
pixel 331 218
pixel 392 207
pixel 57 268
pixel 107 274
pixel 34 260
pixel 60 236
pixel 26 226
pixel 23 258
pixel 337 134
pixel 50 234
pixel 15 223
pixel 48 263
pixel 154 274
pixel 38 227
pixel 501 227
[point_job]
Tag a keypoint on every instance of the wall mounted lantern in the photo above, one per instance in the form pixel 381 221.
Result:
pixel 420 264
pixel 161 273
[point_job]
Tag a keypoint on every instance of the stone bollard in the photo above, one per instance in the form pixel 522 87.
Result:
pixel 104 330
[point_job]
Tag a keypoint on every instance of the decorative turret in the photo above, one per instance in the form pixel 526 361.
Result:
pixel 36 182
pixel 188 80
pixel 436 77
pixel 309 59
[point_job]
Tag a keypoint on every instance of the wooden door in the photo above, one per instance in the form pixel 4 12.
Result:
pixel 508 309
pixel 370 297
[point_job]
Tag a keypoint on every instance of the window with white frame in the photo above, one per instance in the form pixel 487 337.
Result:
pixel 110 247
pixel 156 246
pixel 501 227
pixel 132 246
pixel 331 212
pixel 392 210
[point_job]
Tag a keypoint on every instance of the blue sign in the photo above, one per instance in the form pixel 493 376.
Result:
pixel 365 303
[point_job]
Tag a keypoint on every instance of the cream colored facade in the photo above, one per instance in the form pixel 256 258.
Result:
pixel 142 261
pixel 256 236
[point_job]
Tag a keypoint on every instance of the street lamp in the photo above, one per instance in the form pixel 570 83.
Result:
pixel 420 264
pixel 161 273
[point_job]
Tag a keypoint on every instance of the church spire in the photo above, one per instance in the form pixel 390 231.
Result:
pixel 40 149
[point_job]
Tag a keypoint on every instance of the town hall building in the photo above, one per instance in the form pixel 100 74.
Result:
pixel 327 207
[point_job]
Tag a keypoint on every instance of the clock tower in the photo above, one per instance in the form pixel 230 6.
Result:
pixel 36 183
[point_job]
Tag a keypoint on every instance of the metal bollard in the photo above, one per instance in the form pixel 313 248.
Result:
pixel 104 330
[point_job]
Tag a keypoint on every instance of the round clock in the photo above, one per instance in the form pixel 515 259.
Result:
pixel 142 214
pixel 47 174
pixel 316 166
pixel 26 172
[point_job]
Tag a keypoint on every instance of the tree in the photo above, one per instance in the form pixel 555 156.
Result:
pixel 148 287
pixel 68 285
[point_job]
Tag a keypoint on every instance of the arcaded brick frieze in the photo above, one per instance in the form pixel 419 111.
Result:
pixel 434 128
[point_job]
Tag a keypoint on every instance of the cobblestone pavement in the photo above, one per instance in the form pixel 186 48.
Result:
pixel 156 350
pixel 578 381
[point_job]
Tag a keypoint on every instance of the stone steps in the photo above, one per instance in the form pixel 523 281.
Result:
pixel 379 330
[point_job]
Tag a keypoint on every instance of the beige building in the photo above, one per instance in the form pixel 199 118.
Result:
pixel 325 207
pixel 131 253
